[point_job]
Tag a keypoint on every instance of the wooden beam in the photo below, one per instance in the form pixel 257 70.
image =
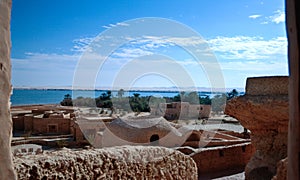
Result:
pixel 293 27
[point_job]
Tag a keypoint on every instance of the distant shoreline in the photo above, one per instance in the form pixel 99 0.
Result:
pixel 34 105
pixel 26 96
pixel 155 89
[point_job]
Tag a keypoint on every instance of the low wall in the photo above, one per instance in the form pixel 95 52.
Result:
pixel 210 160
pixel 212 143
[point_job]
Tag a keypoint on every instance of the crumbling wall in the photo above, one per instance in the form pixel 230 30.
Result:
pixel 212 160
pixel 6 167
pixel 264 110
pixel 124 162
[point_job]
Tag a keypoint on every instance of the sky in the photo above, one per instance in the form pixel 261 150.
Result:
pixel 52 41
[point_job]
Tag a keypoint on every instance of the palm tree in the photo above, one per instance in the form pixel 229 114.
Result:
pixel 232 94
pixel 68 96
pixel 177 98
pixel 108 94
pixel 67 101
pixel 136 95
pixel 193 98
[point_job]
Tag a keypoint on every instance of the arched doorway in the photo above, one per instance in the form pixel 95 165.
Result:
pixel 154 140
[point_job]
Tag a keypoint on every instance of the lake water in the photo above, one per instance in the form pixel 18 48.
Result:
pixel 52 96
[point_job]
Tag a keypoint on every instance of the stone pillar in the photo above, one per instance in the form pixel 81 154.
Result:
pixel 6 166
pixel 292 28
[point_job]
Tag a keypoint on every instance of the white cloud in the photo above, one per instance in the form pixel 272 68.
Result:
pixel 254 16
pixel 150 42
pixel 148 45
pixel 249 48
pixel 122 24
pixel 131 53
pixel 278 17
pixel 106 27
pixel 237 47
pixel 114 25
pixel 81 44
pixel 180 41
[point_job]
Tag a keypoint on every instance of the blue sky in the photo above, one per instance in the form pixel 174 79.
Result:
pixel 49 38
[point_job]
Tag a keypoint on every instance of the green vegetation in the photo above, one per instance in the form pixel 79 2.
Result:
pixel 67 101
pixel 232 94
pixel 218 102
pixel 139 103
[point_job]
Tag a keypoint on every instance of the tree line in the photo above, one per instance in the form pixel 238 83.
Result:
pixel 139 103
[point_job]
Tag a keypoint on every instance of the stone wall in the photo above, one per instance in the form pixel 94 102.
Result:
pixel 41 125
pixel 205 111
pixel 269 85
pixel 213 160
pixel 182 110
pixel 125 162
pixel 199 111
pixel 6 167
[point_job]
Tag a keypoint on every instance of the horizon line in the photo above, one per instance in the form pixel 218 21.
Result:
pixel 127 89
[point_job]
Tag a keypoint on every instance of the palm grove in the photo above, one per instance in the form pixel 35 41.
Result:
pixel 138 103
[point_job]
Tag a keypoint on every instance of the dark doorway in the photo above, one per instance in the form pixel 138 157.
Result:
pixel 154 140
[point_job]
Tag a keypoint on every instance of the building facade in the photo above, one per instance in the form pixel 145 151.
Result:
pixel 182 110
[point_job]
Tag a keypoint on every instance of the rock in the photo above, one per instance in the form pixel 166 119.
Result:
pixel 281 170
pixel 123 162
pixel 264 111
pixel 6 167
